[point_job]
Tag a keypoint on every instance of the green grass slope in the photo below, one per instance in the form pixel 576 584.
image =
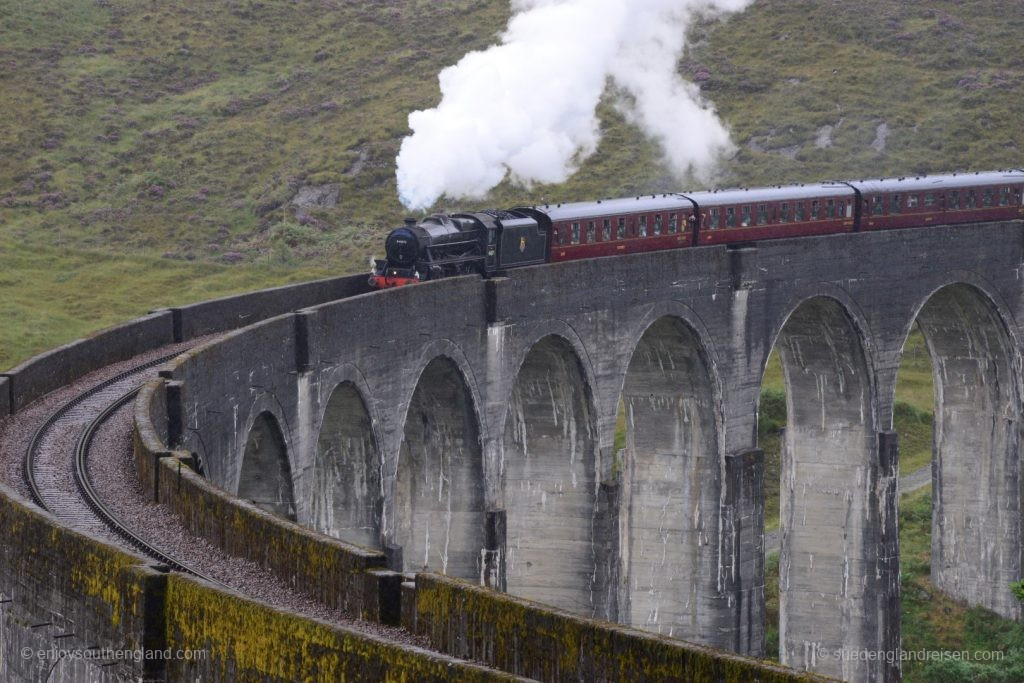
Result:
pixel 50 295
pixel 182 131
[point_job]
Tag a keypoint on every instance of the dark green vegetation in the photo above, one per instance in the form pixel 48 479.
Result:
pixel 931 621
pixel 153 132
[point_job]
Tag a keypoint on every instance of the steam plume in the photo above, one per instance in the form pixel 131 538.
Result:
pixel 526 107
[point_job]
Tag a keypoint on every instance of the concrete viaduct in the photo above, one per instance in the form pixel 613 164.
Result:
pixel 467 426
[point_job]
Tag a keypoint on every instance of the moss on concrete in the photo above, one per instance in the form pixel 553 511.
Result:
pixel 50 570
pixel 247 640
pixel 532 640
pixel 324 568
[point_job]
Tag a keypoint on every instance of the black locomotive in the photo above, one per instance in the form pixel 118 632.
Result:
pixel 485 242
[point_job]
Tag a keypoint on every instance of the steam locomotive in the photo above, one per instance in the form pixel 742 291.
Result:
pixel 491 242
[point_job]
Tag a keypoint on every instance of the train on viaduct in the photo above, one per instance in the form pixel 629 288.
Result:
pixel 466 427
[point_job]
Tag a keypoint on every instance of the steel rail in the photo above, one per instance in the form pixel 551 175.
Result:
pixel 81 474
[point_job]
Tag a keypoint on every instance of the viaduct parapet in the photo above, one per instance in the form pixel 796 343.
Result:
pixel 467 427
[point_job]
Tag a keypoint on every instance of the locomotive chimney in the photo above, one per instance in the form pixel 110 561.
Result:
pixel 409 222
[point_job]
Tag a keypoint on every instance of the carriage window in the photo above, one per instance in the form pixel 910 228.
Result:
pixel 746 217
pixel 879 203
pixel 575 233
pixel 896 205
pixel 815 210
pixel 730 217
pixel 622 229
pixel 911 201
pixel 643 226
pixel 849 209
pixel 657 224
pixel 714 219
pixel 954 200
pixel 673 223
pixel 1018 197
pixel 606 229
pixel 762 214
pixel 556 236
pixel 830 208
pixel 799 212
pixel 1004 196
pixel 987 198
pixel 591 236
pixel 929 199
pixel 783 212
pixel 972 199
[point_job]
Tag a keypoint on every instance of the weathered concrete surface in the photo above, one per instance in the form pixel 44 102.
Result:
pixel 265 479
pixel 548 475
pixel 742 519
pixel 229 367
pixel 64 590
pixel 545 354
pixel 438 497
pixel 976 524
pixel 250 641
pixel 5 397
pixel 230 312
pixel 63 365
pixel 346 477
pixel 547 644
pixel 669 477
pixel 828 473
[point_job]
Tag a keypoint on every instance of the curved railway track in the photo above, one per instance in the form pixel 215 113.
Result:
pixel 48 465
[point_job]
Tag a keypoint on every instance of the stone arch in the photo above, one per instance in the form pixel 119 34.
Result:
pixel 554 540
pixel 670 480
pixel 828 521
pixel 265 476
pixel 976 507
pixel 346 489
pixel 439 493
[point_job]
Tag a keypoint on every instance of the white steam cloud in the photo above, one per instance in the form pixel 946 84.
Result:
pixel 527 107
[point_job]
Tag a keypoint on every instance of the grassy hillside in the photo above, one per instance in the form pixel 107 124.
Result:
pixel 157 133
pixel 50 295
